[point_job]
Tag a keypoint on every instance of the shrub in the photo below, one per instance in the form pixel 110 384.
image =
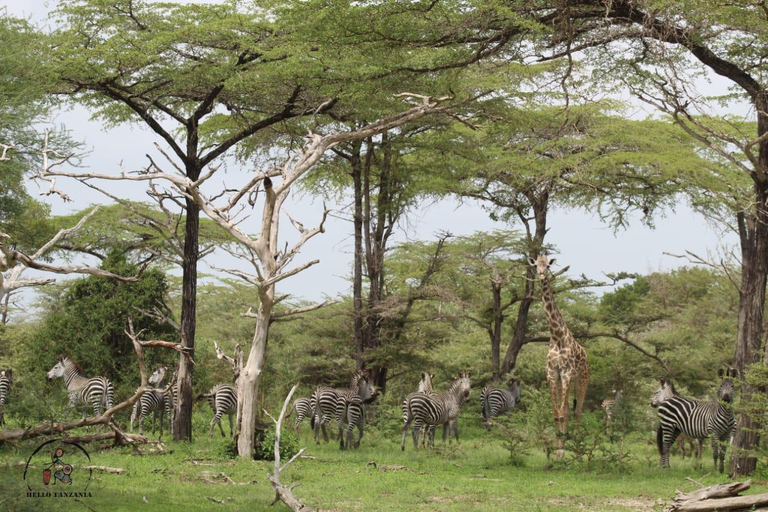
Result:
pixel 265 447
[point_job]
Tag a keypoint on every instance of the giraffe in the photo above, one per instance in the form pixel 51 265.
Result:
pixel 567 366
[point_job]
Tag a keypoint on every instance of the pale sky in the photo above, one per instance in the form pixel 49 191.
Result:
pixel 583 242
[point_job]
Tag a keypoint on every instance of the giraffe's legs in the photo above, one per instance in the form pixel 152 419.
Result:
pixel 580 391
pixel 556 391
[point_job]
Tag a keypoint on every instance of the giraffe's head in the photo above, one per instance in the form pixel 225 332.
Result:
pixel 425 384
pixel 542 264
pixel 665 392
pixel 725 392
pixel 158 375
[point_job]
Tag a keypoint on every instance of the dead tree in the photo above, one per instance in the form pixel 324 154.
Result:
pixel 718 497
pixel 270 261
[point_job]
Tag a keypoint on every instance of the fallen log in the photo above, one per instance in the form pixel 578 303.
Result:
pixel 106 469
pixel 720 497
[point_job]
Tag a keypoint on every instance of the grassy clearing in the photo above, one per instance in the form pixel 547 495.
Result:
pixel 478 475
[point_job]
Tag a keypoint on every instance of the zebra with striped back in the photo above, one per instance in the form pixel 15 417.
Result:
pixel 695 418
pixel 425 386
pixel 324 402
pixel 351 408
pixel 609 404
pixel 152 401
pixel 303 409
pixel 439 409
pixel 95 391
pixel 223 400
pixel 6 380
pixel 497 401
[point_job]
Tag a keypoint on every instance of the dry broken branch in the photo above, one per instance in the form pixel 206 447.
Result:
pixel 282 492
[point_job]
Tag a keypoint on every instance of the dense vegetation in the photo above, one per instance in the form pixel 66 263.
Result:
pixel 378 108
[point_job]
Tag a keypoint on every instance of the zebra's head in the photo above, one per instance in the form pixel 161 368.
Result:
pixel 461 385
pixel 6 374
pixel 664 393
pixel 514 387
pixel 365 389
pixel 725 392
pixel 542 264
pixel 425 384
pixel 60 368
pixel 158 375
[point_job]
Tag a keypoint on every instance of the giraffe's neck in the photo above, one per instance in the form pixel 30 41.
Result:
pixel 554 317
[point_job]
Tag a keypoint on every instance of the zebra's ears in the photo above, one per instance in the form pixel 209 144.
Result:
pixel 721 372
pixel 734 373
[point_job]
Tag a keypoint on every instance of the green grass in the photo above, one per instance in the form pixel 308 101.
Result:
pixel 477 475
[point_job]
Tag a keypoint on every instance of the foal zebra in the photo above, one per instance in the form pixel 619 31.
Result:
pixel 96 391
pixel 498 400
pixel 152 401
pixel 303 409
pixel 6 379
pixel 609 404
pixel 439 409
pixel 223 400
pixel 695 418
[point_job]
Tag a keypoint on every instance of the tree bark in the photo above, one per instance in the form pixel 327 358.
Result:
pixel 182 428
pixel 250 376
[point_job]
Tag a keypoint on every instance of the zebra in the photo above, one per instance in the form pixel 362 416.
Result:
pixel 223 400
pixel 325 405
pixel 303 409
pixel 498 400
pixel 425 386
pixel 609 404
pixel 6 379
pixel 171 399
pixel 439 409
pixel 152 401
pixel 96 391
pixel 351 408
pixel 697 419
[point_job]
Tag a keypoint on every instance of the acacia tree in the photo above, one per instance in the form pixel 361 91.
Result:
pixel 661 49
pixel 202 78
pixel 531 160
pixel 270 261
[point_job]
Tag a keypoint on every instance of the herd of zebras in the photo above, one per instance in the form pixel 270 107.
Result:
pixel 424 409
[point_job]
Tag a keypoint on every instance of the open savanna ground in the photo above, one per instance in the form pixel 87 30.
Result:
pixel 486 472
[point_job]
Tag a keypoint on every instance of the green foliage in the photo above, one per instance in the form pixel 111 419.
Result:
pixel 86 319
pixel 265 448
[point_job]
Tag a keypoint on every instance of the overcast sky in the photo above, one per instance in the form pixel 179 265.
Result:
pixel 583 242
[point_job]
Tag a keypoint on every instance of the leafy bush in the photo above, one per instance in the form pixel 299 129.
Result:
pixel 265 447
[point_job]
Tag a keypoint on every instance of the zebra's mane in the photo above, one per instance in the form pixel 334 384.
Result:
pixel 62 357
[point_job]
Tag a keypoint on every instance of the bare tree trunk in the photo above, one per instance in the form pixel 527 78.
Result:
pixel 182 428
pixel 357 278
pixel 498 320
pixel 250 376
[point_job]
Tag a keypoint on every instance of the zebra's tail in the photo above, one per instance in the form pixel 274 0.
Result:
pixel 660 440
pixel 109 395
pixel 312 421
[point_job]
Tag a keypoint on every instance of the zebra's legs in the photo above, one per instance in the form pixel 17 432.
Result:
pixel 718 448
pixel 664 441
pixel 405 431
pixel 231 430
